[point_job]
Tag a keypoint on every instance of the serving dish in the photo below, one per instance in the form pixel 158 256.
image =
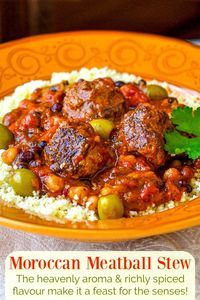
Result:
pixel 148 56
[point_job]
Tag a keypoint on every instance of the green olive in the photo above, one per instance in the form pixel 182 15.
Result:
pixel 23 182
pixel 102 127
pixel 110 207
pixel 156 92
pixel 6 137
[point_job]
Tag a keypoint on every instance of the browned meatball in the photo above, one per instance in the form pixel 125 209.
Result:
pixel 87 100
pixel 76 151
pixel 142 131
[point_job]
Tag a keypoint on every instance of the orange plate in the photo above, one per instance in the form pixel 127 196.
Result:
pixel 150 56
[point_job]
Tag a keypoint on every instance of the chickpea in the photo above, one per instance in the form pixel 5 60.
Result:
pixel 79 193
pixel 106 191
pixel 9 155
pixel 171 174
pixel 55 183
pixel 93 200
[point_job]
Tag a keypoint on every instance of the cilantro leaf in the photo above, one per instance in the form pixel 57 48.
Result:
pixel 186 119
pixel 177 143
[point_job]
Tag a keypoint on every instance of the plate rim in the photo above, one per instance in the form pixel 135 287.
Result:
pixel 97 235
pixel 98 31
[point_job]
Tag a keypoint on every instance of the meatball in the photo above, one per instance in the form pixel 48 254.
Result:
pixel 142 131
pixel 76 151
pixel 87 100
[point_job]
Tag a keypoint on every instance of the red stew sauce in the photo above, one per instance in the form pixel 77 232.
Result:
pixel 53 138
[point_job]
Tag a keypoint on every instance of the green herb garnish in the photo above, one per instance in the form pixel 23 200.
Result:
pixel 177 143
pixel 186 120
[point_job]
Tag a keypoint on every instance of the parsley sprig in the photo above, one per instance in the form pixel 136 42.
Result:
pixel 186 120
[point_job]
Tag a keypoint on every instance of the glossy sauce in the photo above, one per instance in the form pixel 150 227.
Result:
pixel 54 139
